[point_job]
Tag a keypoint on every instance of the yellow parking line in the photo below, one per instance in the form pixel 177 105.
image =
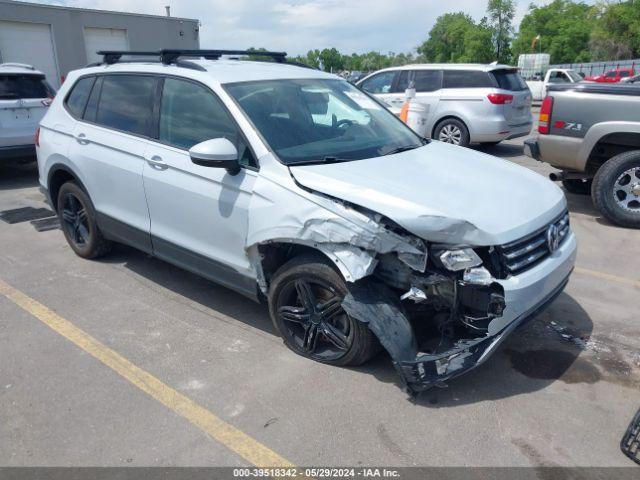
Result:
pixel 234 439
pixel 609 277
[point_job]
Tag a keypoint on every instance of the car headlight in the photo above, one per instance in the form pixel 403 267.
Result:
pixel 459 259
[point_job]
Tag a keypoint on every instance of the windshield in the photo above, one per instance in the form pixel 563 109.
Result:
pixel 314 120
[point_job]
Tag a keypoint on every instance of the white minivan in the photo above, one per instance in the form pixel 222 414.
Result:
pixel 25 96
pixel 292 187
pixel 465 103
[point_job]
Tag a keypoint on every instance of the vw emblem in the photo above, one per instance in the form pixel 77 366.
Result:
pixel 553 238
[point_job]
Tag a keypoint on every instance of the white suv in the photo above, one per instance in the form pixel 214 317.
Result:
pixel 25 96
pixel 292 186
pixel 466 103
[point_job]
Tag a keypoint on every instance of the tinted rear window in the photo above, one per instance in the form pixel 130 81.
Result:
pixel 126 103
pixel 24 86
pixel 509 80
pixel 77 99
pixel 466 79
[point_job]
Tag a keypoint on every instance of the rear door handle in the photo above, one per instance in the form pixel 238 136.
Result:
pixel 81 138
pixel 157 163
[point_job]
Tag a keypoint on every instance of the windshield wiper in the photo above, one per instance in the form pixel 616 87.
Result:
pixel 315 161
pixel 402 149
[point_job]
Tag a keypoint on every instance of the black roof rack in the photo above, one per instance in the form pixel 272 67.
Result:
pixel 171 56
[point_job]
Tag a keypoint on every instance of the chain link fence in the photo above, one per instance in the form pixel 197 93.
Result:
pixel 598 68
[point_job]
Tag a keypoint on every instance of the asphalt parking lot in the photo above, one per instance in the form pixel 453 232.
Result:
pixel 130 361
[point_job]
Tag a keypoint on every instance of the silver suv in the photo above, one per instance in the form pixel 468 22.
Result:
pixel 25 96
pixel 290 185
pixel 466 103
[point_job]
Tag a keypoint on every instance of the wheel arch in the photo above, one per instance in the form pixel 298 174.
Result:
pixel 437 123
pixel 610 145
pixel 58 175
pixel 272 255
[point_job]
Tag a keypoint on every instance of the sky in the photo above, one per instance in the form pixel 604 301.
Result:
pixel 296 26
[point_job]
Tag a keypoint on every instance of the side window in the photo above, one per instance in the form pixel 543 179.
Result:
pixel 612 74
pixel 191 113
pixel 126 103
pixel 79 95
pixel 380 83
pixel 624 74
pixel 558 77
pixel 424 80
pixel 466 79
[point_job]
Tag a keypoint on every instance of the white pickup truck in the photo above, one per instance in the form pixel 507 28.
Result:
pixel 553 76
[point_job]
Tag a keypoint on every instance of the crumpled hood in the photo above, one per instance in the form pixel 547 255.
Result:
pixel 443 193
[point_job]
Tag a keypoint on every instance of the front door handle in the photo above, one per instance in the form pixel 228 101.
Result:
pixel 81 138
pixel 157 163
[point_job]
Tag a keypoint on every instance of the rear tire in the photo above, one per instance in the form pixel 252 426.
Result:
pixel 78 222
pixel 305 306
pixel 578 186
pixel 616 189
pixel 452 130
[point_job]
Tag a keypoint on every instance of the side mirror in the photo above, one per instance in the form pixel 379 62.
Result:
pixel 216 153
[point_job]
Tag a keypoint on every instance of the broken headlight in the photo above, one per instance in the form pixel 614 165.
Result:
pixel 459 259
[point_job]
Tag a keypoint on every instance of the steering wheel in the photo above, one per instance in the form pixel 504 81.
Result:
pixel 345 122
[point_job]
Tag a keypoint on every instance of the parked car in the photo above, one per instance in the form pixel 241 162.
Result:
pixel 25 96
pixel 553 76
pixel 634 79
pixel 465 103
pixel 290 185
pixel 612 76
pixel 592 133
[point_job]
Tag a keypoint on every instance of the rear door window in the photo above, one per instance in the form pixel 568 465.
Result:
pixel 510 80
pixel 466 79
pixel 78 97
pixel 424 80
pixel 15 86
pixel 126 103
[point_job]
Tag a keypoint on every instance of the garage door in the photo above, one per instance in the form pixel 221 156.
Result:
pixel 96 39
pixel 29 43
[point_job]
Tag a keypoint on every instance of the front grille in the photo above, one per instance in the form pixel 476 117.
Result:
pixel 523 254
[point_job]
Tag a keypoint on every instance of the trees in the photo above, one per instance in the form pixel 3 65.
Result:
pixel 564 27
pixel 446 42
pixel 616 34
pixel 501 13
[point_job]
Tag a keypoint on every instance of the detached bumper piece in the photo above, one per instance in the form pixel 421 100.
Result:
pixel 378 306
pixel 630 444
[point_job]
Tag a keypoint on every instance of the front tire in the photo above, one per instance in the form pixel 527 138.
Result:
pixel 305 305
pixel 453 131
pixel 616 189
pixel 78 222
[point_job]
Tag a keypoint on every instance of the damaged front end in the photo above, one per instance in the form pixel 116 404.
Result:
pixel 435 330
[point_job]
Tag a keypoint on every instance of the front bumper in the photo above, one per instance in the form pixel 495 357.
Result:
pixel 526 295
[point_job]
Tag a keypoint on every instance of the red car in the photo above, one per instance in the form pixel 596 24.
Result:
pixel 612 76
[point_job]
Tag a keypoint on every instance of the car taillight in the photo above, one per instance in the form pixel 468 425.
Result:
pixel 37 137
pixel 545 116
pixel 500 98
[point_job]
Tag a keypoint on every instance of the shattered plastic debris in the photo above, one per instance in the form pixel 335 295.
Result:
pixel 577 341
